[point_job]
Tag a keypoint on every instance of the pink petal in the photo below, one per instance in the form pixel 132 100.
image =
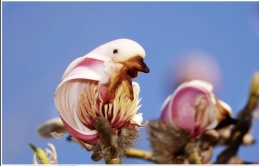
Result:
pixel 87 68
pixel 179 109
pixel 66 100
pixel 182 105
pixel 166 113
pixel 90 137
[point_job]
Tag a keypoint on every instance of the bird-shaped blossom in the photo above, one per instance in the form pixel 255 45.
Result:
pixel 193 107
pixel 100 84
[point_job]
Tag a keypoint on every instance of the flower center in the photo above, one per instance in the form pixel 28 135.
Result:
pixel 119 112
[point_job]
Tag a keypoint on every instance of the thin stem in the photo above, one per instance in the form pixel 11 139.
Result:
pixel 113 161
pixel 192 151
pixel 138 153
pixel 243 124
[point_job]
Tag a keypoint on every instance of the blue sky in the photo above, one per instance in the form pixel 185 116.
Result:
pixel 40 39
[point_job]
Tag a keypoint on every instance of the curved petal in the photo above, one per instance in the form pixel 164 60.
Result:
pixel 166 113
pixel 226 108
pixel 183 107
pixel 84 68
pixel 68 91
pixel 126 49
pixel 90 137
pixel 66 100
pixel 198 84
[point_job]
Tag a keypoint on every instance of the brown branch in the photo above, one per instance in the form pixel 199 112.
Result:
pixel 244 121
pixel 237 160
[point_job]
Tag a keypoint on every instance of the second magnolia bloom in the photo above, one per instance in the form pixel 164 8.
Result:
pixel 100 84
pixel 193 107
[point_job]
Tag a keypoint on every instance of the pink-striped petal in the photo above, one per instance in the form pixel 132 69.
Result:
pixel 191 107
pixel 66 100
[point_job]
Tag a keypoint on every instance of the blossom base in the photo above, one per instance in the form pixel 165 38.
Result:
pixel 113 142
pixel 170 145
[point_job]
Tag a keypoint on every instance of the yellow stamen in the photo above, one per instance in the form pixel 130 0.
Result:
pixel 121 110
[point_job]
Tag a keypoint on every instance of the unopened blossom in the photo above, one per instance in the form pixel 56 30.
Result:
pixel 100 84
pixel 193 107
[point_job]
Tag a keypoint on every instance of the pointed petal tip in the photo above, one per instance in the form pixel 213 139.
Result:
pixel 137 120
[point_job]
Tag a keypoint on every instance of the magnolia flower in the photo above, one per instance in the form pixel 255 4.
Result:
pixel 100 84
pixel 194 108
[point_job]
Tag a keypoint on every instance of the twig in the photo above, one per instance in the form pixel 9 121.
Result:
pixel 237 160
pixel 192 151
pixel 244 121
pixel 137 153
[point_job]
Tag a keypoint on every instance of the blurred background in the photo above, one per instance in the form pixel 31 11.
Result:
pixel 215 41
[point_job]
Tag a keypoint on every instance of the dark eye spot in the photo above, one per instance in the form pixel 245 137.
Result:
pixel 115 51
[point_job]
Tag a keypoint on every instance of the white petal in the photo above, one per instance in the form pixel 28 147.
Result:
pixel 72 65
pixel 68 91
pixel 109 69
pixel 66 100
pixel 137 119
pixel 126 49
pixel 136 89
pixel 56 135
pixel 226 107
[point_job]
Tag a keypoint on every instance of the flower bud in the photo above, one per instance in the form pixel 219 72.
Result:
pixel 193 108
